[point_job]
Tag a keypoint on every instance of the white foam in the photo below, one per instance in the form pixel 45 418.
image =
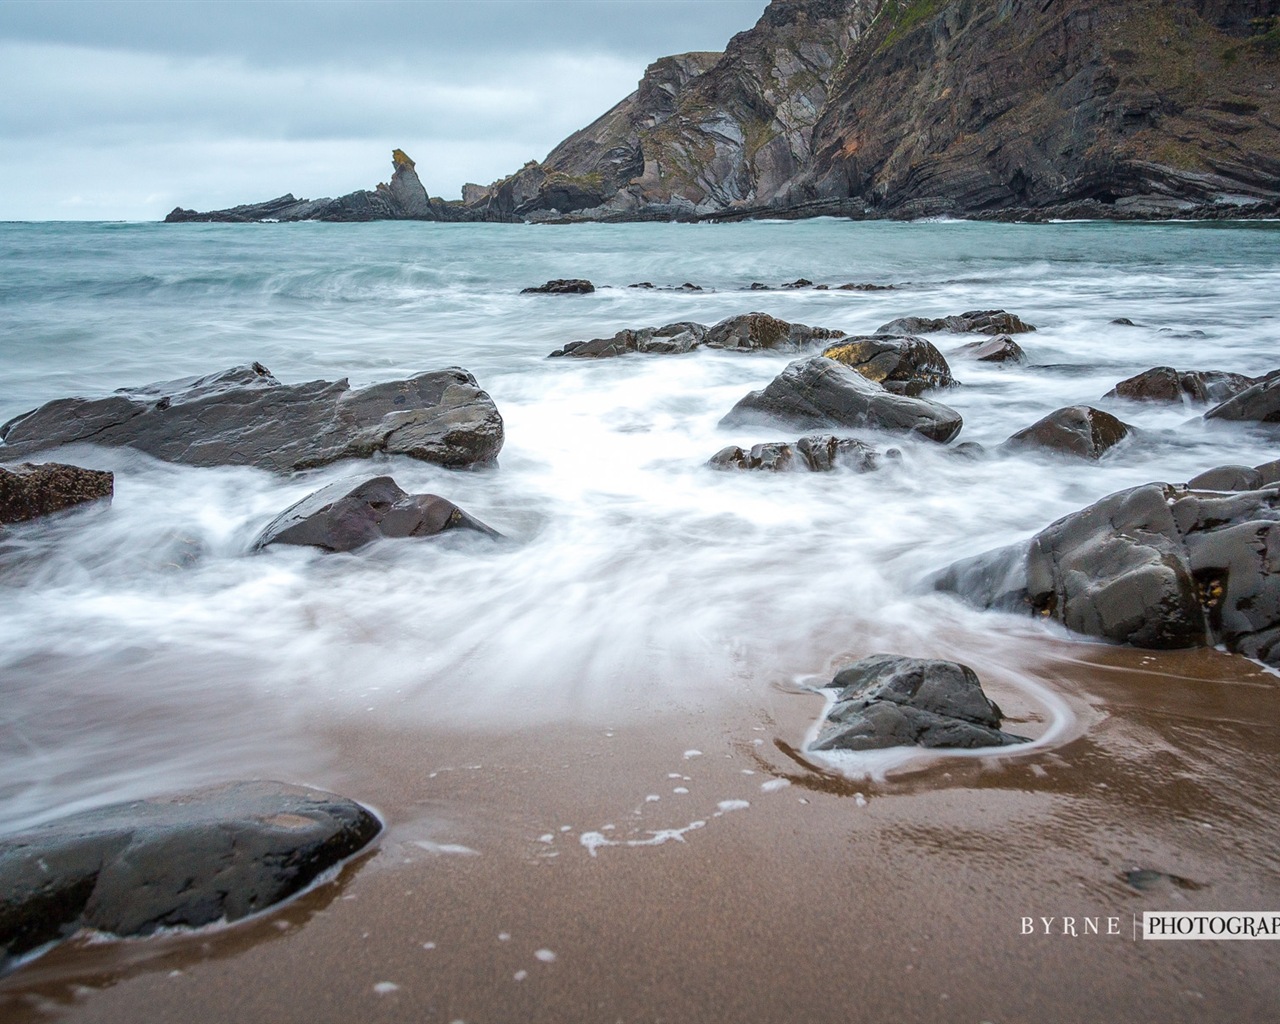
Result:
pixel 545 955
pixel 383 988
pixel 773 785
pixel 733 805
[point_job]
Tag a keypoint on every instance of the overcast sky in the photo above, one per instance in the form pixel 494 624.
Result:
pixel 124 110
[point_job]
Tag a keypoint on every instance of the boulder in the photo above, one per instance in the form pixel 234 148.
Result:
pixel 819 453
pixel 343 517
pixel 1227 478
pixel 891 701
pixel 905 366
pixel 1000 349
pixel 817 392
pixel 752 331
pixel 1155 566
pixel 673 338
pixel 131 869
pixel 1269 472
pixel 1165 384
pixel 1259 403
pixel 245 417
pixel 561 286
pixel 1078 430
pixel 978 321
pixel 28 491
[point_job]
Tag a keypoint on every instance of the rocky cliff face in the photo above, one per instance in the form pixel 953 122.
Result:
pixel 1036 108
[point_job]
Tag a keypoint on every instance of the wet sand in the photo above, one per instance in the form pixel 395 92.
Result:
pixel 824 899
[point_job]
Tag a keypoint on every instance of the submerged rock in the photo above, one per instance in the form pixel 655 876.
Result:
pixel 1076 430
pixel 980 321
pixel 752 331
pixel 1156 566
pixel 343 517
pixel 1000 349
pixel 818 392
pixel 131 869
pixel 1259 403
pixel 29 491
pixel 905 366
pixel 245 417
pixel 1165 384
pixel 561 286
pixel 672 338
pixel 819 453
pixel 890 701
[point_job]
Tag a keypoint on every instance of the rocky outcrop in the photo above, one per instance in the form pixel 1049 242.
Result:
pixel 346 517
pixel 667 340
pixel 28 491
pixel 131 869
pixel 891 701
pixel 1165 384
pixel 817 392
pixel 561 286
pixel 1078 430
pixel 403 198
pixel 1227 478
pixel 905 366
pixel 1000 349
pixel 752 331
pixel 1259 403
pixel 818 453
pixel 245 417
pixel 978 321
pixel 1156 566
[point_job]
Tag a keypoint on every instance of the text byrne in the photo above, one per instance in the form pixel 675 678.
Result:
pixel 1074 926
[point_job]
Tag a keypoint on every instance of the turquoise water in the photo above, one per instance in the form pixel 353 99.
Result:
pixel 143 649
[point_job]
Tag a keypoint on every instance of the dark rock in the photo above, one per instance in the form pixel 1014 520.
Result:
pixel 819 453
pixel 980 321
pixel 642 284
pixel 1227 478
pixel 673 338
pixel 1165 384
pixel 752 331
pixel 1123 321
pixel 967 450
pixel 27 491
pixel 344 517
pixel 800 282
pixel 1000 349
pixel 905 366
pixel 1076 430
pixel 131 869
pixel 245 417
pixel 1259 403
pixel 853 287
pixel 689 287
pixel 818 392
pixel 561 286
pixel 890 701
pixel 757 286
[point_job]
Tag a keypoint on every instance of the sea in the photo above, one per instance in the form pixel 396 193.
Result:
pixel 144 647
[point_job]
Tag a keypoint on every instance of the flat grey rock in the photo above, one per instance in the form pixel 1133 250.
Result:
pixel 818 453
pixel 977 321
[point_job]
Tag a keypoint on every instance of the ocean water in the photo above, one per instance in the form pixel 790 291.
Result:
pixel 143 648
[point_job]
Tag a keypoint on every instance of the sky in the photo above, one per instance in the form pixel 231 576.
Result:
pixel 123 110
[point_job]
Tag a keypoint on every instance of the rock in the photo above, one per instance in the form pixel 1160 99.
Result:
pixel 891 701
pixel 818 453
pixel 981 321
pixel 562 286
pixel 1123 321
pixel 131 869
pixel 1227 478
pixel 1155 566
pixel 1165 384
pixel 752 331
pixel 800 282
pixel 818 392
pixel 1269 472
pixel 854 287
pixel 1260 403
pixel 1076 430
pixel 905 366
pixel 245 417
pixel 28 491
pixel 1000 349
pixel 344 517
pixel 673 338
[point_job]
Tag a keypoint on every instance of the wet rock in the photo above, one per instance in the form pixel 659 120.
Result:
pixel 818 392
pixel 1165 384
pixel 344 517
pixel 752 331
pixel 1269 473
pixel 28 491
pixel 855 287
pixel 1259 403
pixel 800 282
pixel 133 868
pixel 1123 321
pixel 905 366
pixel 1000 349
pixel 561 286
pixel 979 321
pixel 672 338
pixel 819 453
pixel 245 417
pixel 890 701
pixel 1227 478
pixel 1076 430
